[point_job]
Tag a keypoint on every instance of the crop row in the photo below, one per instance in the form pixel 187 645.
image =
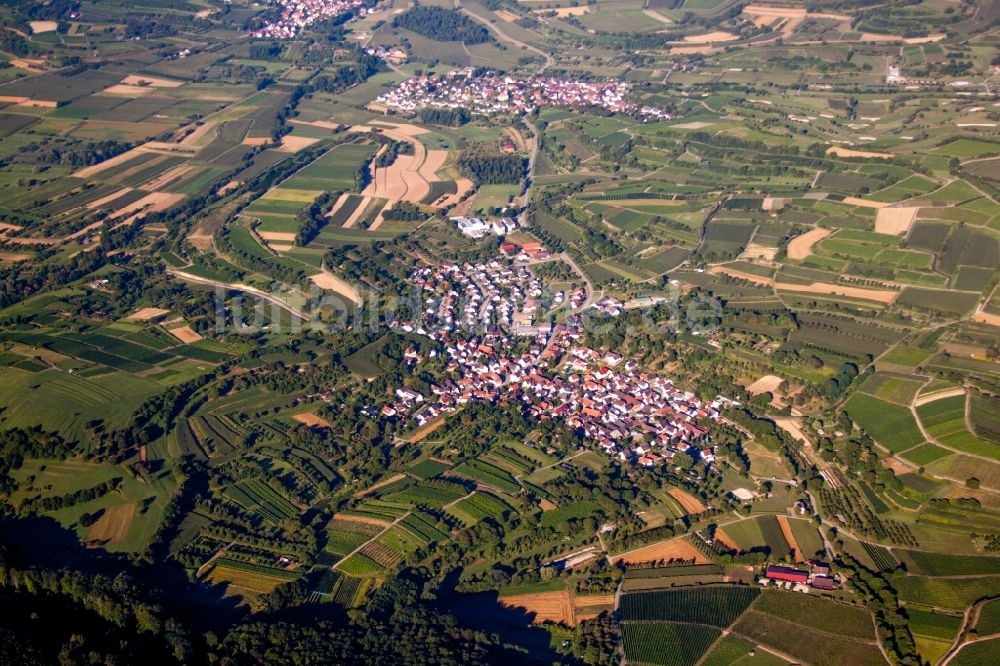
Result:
pixel 713 605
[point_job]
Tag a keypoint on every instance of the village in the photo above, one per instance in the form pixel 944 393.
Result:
pixel 300 14
pixel 489 93
pixel 502 348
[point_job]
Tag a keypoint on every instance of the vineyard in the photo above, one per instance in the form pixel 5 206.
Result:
pixel 861 518
pixel 488 474
pixel 343 536
pixel 718 606
pixel 818 613
pixel 479 506
pixel 360 566
pixel 434 494
pixel 880 556
pixel 345 592
pixel 218 434
pixel 427 469
pixel 258 497
pixel 381 554
pixel 943 564
pixel 425 527
pixel 666 644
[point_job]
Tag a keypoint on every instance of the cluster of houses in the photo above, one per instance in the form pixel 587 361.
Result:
pixel 632 415
pixel 802 578
pixel 391 54
pixel 299 14
pixel 474 297
pixel 497 93
pixel 475 227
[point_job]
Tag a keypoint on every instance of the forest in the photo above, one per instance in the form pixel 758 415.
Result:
pixel 486 166
pixel 443 25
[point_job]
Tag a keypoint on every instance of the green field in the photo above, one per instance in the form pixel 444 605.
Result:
pixel 890 425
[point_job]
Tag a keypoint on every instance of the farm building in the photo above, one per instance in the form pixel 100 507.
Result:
pixel 790 574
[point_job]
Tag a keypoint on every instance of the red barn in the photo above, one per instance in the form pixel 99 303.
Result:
pixel 787 573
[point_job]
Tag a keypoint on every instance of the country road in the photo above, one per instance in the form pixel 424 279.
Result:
pixel 187 277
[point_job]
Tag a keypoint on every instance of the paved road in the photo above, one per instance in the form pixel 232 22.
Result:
pixel 187 277
pixel 504 37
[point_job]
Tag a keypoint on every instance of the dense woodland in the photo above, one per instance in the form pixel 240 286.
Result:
pixel 444 25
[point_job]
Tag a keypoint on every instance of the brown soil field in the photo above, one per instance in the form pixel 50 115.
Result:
pixel 87 172
pixel 545 606
pixel 695 50
pixel 10 99
pixel 424 431
pixel 896 465
pixel 863 203
pixel 358 213
pixel 676 549
pixel 877 37
pixel 153 81
pixel 710 37
pixel 791 12
pixel 506 16
pixel 726 540
pixel 370 489
pixel 5 226
pixel 185 334
pixel 41 103
pixel 894 221
pixel 311 420
pixel 97 203
pixel 582 601
pixel 749 277
pixel 986 318
pixel 84 231
pixel 256 141
pixel 38 27
pixel 641 203
pixel 464 186
pixel 32 241
pixel 564 11
pixel 792 427
pixel 880 295
pixel 168 177
pixel 690 503
pixel 786 531
pixel 367 520
pixel 338 203
pixel 127 91
pixel 547 505
pixel 766 384
pixel 14 257
pixel 293 144
pixel 848 152
pixel 754 251
pixel 435 160
pixel 379 219
pixel 153 202
pixel 145 314
pixel 657 16
pixel 276 235
pixel 279 247
pixel 230 186
pixel 326 280
pixel 800 247
pixel 938 395
pixel 113 525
